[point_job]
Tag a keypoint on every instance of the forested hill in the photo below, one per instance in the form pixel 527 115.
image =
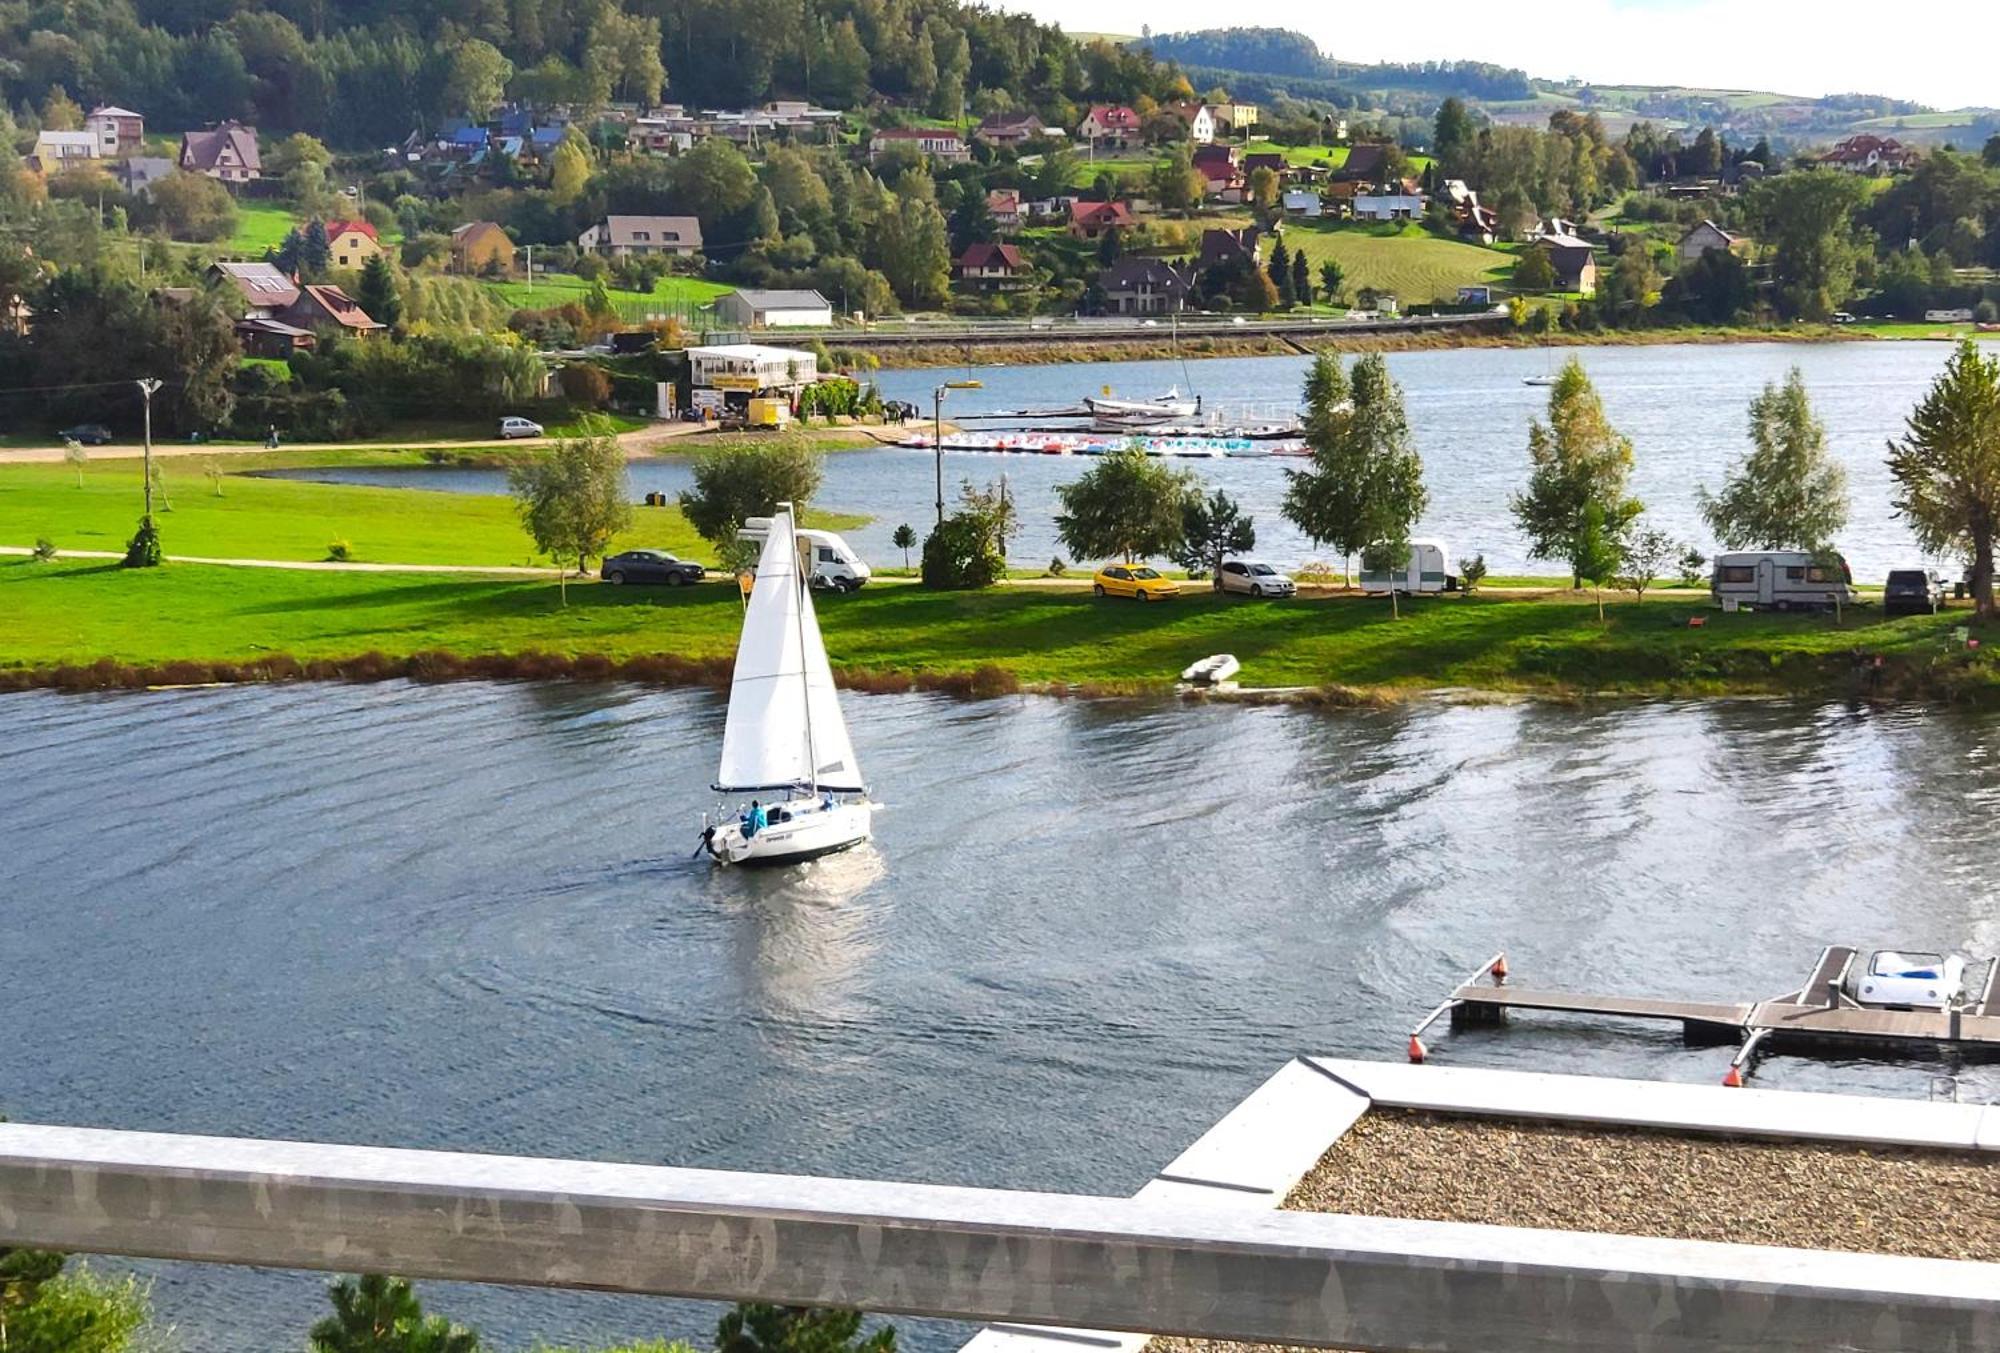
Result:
pixel 1283 52
pixel 359 73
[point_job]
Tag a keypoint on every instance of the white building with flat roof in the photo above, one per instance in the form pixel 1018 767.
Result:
pixel 751 368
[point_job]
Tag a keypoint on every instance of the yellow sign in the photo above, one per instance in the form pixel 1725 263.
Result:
pixel 727 382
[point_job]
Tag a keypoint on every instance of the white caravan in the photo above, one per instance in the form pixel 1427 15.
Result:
pixel 1782 580
pixel 1425 572
pixel 831 562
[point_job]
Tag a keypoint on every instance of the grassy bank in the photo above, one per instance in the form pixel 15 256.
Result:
pixel 288 519
pixel 72 614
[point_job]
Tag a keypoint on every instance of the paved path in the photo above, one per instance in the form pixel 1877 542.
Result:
pixel 315 565
pixel 642 441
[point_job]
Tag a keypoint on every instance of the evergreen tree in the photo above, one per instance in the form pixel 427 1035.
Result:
pixel 1947 466
pixel 1788 494
pixel 315 251
pixel 1281 274
pixel 1302 287
pixel 1579 462
pixel 377 1314
pixel 377 293
pixel 1212 528
pixel 754 1327
pixel 1332 281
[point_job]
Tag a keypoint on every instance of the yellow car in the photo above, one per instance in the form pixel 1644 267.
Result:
pixel 1133 580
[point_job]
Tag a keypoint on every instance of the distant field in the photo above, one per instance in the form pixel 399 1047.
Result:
pixel 1918 122
pixel 1414 265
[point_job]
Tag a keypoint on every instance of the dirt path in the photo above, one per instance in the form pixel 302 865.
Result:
pixel 643 441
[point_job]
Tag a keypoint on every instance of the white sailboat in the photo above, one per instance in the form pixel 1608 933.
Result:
pixel 1167 408
pixel 785 742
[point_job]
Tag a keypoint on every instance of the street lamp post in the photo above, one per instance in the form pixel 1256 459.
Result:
pixel 147 385
pixel 937 432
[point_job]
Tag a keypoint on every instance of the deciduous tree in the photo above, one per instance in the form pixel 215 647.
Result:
pixel 1788 493
pixel 733 484
pixel 1579 463
pixel 1947 466
pixel 1127 504
pixel 572 499
pixel 1808 215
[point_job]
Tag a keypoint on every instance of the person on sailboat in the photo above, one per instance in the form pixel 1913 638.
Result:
pixel 754 820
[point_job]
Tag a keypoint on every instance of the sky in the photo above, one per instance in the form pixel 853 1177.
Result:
pixel 1937 52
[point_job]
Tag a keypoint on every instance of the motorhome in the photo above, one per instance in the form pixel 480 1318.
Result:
pixel 1425 572
pixel 1780 580
pixel 831 562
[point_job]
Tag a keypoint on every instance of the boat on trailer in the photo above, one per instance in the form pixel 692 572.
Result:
pixel 785 741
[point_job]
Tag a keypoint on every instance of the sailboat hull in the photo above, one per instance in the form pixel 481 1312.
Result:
pixel 813 831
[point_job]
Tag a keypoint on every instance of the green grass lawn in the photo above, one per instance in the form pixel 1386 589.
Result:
pixel 78 612
pixel 291 519
pixel 1087 169
pixel 260 225
pixel 1407 260
pixel 557 288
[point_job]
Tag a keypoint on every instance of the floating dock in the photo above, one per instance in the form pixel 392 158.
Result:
pixel 1819 1017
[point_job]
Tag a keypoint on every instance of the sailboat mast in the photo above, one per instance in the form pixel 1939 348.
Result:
pixel 805 677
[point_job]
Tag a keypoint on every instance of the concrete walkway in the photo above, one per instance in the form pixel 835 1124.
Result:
pixel 314 565
pixel 637 442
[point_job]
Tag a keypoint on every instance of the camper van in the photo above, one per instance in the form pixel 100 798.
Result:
pixel 1780 580
pixel 829 561
pixel 1424 573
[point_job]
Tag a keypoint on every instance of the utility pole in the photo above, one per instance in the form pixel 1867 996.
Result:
pixel 937 433
pixel 147 385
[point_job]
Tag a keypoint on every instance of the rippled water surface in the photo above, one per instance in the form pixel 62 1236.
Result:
pixel 467 917
pixel 1684 407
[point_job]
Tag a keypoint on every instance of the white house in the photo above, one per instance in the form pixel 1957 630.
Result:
pixel 1388 206
pixel 623 236
pixel 1199 119
pixel 57 151
pixel 1301 202
pixel 119 131
pixel 947 146
pixel 775 309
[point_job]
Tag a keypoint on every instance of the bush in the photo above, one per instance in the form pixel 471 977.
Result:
pixel 1986 312
pixel 586 386
pixel 45 549
pixel 338 551
pixel 143 549
pixel 1472 572
pixel 959 555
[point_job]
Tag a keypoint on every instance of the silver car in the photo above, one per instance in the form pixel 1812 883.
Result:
pixel 1253 579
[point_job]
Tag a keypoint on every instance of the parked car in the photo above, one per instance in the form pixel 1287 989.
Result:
pixel 1252 578
pixel 1912 591
pixel 1842 317
pixel 519 427
pixel 650 566
pixel 1133 580
pixel 90 434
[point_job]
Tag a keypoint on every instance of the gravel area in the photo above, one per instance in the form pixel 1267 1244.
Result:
pixel 1442 1168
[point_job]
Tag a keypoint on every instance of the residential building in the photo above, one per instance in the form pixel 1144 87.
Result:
pixel 754 309
pixel 1388 206
pixel 266 290
pixel 1366 163
pixel 1574 263
pixel 946 146
pixel 1004 206
pixel 1011 129
pixel 1477 225
pixel 1223 246
pixel 1088 220
pixel 1706 236
pixel 325 306
pixel 1264 159
pixel 273 338
pixel 629 236
pixel 661 136
pixel 119 131
pixel 481 247
pixel 1222 174
pixel 1136 285
pixel 1235 117
pixel 350 244
pixel 1111 125
pixel 1867 154
pixel 1198 118
pixel 1043 210
pixel 57 151
pixel 226 151
pixel 137 174
pixel 1303 202
pixel 994 267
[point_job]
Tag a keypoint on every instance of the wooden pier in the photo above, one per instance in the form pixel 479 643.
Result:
pixel 1818 1017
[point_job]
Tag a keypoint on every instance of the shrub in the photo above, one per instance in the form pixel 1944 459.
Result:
pixel 143 549
pixel 45 549
pixel 338 551
pixel 586 386
pixel 1693 567
pixel 1315 571
pixel 959 555
pixel 1472 572
pixel 1986 312
pixel 1057 567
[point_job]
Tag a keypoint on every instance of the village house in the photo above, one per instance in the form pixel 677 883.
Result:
pixel 1222 174
pixel 226 151
pixel 638 236
pixel 273 338
pixel 1264 159
pixel 1225 246
pixel 137 174
pixel 1367 164
pixel 1388 206
pixel 1198 118
pixel 1866 154
pixel 1137 285
pixel 1088 220
pixel 119 131
pixel 1705 236
pixel 1477 225
pixel 1234 117
pixel 1004 206
pixel 1574 263
pixel 481 247
pixel 1043 210
pixel 661 136
pixel 266 290
pixel 1111 125
pixel 350 244
pixel 56 152
pixel 325 306
pixel 1303 202
pixel 945 146
pixel 754 309
pixel 994 267
pixel 1011 129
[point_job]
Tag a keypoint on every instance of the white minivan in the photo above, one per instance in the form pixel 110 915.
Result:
pixel 1425 572
pixel 1781 580
pixel 830 562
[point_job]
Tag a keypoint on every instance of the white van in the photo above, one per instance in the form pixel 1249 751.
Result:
pixel 1780 580
pixel 1424 573
pixel 830 561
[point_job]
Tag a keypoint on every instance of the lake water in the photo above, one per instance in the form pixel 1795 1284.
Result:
pixel 467 917
pixel 1685 407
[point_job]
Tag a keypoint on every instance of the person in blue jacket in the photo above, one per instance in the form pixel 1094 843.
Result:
pixel 754 820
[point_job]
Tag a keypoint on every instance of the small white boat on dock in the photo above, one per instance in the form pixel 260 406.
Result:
pixel 785 740
pixel 1213 670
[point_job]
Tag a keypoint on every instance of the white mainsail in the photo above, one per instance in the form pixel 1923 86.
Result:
pixel 785 727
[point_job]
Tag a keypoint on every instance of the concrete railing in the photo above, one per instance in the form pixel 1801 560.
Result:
pixel 1179 1267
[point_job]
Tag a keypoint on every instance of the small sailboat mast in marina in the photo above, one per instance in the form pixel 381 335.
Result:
pixel 785 744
